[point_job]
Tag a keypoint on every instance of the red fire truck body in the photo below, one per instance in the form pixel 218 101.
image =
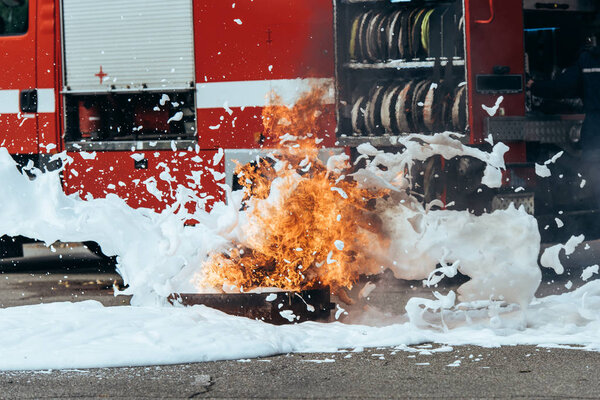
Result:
pixel 143 93
pixel 238 53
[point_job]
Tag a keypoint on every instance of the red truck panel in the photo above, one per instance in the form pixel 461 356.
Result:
pixel 115 172
pixel 17 72
pixel 494 37
pixel 243 129
pixel 295 37
pixel 48 72
pixel 258 40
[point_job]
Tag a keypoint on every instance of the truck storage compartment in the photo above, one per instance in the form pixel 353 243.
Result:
pixel 400 67
pixel 130 116
pixel 554 39
pixel 128 70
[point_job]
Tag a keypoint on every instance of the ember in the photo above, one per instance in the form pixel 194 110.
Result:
pixel 308 224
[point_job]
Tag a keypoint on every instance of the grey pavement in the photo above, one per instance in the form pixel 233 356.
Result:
pixel 507 372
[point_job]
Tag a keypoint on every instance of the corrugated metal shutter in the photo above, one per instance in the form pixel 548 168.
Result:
pixel 138 43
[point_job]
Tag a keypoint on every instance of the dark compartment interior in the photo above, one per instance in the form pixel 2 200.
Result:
pixel 130 116
pixel 553 41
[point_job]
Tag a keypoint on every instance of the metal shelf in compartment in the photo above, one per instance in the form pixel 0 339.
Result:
pixel 385 140
pixel 402 64
pixel 378 141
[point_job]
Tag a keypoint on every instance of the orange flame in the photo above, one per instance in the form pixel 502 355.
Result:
pixel 309 225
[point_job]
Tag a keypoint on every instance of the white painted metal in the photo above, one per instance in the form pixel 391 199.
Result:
pixel 138 43
pixel 9 102
pixel 46 101
pixel 256 93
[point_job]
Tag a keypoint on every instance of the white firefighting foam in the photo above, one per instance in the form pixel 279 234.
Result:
pixel 158 256
pixel 473 245
pixel 152 248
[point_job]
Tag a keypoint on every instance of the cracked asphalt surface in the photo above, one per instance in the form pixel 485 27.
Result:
pixel 508 372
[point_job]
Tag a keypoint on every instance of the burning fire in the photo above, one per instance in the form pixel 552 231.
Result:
pixel 308 225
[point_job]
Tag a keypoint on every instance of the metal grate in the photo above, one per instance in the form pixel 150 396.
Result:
pixel 525 199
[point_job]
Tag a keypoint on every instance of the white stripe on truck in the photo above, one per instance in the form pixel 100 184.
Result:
pixel 46 101
pixel 256 93
pixel 9 101
pixel 208 95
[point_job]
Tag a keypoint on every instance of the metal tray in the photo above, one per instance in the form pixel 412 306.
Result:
pixel 277 308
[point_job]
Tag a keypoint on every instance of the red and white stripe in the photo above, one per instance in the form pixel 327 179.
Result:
pixel 257 93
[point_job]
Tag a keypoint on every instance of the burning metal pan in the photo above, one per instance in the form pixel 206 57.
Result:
pixel 273 307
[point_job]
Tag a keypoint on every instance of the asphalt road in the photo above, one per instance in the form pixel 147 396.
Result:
pixel 508 372
pixel 422 372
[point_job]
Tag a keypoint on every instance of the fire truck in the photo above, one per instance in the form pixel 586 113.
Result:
pixel 145 95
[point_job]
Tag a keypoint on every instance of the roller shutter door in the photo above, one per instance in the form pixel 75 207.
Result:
pixel 124 45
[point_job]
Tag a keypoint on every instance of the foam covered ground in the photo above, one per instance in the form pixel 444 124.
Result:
pixel 86 334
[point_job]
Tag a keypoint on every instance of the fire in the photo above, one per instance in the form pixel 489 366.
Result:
pixel 308 224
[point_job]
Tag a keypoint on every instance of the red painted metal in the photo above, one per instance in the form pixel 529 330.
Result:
pixel 497 41
pixel 491 18
pixel 517 152
pixel 294 37
pixel 114 172
pixel 243 128
pixel 275 40
pixel 18 55
pixel 489 45
pixel 259 40
pixel 47 73
pixel 58 80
